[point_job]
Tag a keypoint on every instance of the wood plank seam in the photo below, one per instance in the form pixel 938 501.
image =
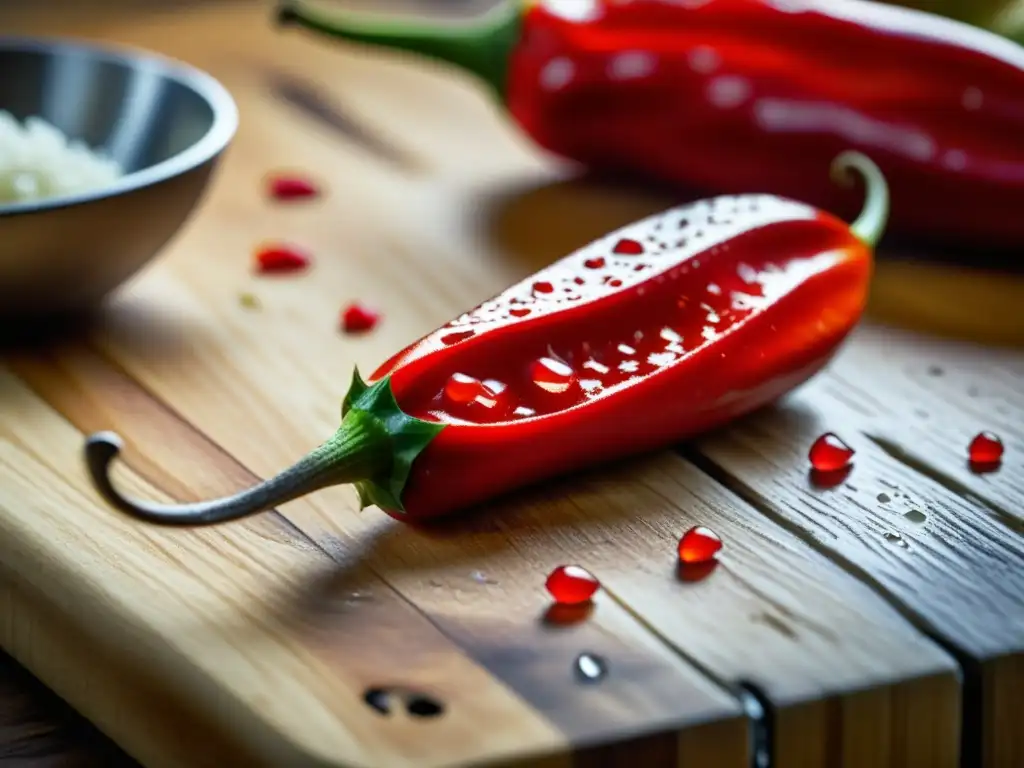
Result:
pixel 98 352
pixel 710 482
pixel 643 740
pixel 970 672
pixel 734 691
pixel 755 711
pixel 268 744
pixel 908 459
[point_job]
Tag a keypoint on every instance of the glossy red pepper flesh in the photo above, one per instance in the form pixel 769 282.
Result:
pixel 740 300
pixel 734 96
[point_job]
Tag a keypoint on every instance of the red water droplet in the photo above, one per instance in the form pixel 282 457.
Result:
pixel 519 311
pixel 985 448
pixel 287 187
pixel 579 280
pixel 357 318
pixel 543 286
pixel 698 545
pixel 597 263
pixel 552 375
pixel 461 388
pixel 280 257
pixel 456 337
pixel 829 453
pixel 627 247
pixel 570 584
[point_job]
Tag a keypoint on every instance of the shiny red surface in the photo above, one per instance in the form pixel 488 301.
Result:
pixel 736 301
pixel 829 453
pixel 760 95
pixel 287 188
pixel 698 545
pixel 278 258
pixel 570 584
pixel 357 318
pixel 986 448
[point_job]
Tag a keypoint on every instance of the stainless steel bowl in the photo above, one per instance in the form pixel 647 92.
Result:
pixel 166 123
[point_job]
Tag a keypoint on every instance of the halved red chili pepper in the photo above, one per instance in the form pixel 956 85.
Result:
pixel 734 96
pixel 713 310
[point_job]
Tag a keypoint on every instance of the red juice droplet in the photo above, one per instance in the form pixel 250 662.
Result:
pixel 986 448
pixel 552 375
pixel 829 453
pixel 627 247
pixel 597 263
pixel 456 337
pixel 699 545
pixel 286 187
pixel 356 318
pixel 278 258
pixel 543 287
pixel 570 584
pixel 519 311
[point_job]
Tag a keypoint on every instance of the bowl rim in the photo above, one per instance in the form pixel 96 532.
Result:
pixel 219 135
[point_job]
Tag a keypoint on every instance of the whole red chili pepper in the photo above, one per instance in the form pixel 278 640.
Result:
pixel 736 96
pixel 646 337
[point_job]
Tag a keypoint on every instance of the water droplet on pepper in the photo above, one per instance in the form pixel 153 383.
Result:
pixel 356 318
pixel 552 375
pixel 699 545
pixel 279 258
pixel 455 338
pixel 829 453
pixel 627 247
pixel 571 584
pixel 461 389
pixel 986 449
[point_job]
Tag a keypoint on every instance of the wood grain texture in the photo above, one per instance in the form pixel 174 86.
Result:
pixel 651 693
pixel 435 203
pixel 40 730
pixel 414 242
pixel 955 567
pixel 938 394
pixel 297 670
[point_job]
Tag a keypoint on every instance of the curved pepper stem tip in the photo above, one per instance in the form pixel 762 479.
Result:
pixel 374 449
pixel 874 216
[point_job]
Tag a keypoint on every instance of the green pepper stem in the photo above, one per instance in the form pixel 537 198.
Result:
pixel 870 225
pixel 481 47
pixel 356 452
pixel 374 449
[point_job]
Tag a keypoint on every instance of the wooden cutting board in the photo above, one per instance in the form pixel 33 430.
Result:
pixel 878 622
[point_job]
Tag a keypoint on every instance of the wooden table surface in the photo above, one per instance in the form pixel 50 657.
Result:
pixel 925 555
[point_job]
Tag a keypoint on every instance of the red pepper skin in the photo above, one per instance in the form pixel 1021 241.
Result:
pixel 773 350
pixel 733 96
pixel 646 337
